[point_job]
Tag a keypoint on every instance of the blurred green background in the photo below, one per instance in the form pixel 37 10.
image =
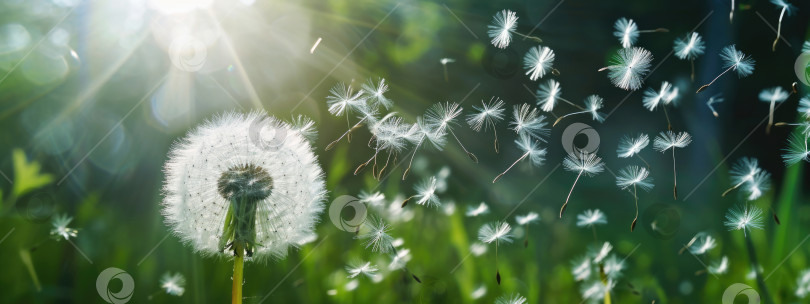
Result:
pixel 90 102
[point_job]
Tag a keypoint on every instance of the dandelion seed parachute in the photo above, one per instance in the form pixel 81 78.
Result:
pixel 531 150
pixel 627 32
pixel 487 117
pixel 538 61
pixel 690 49
pixel 221 160
pixel 629 146
pixel 772 96
pixel 671 140
pixel 719 267
pixel 511 299
pixel 712 100
pixel 60 227
pixel 173 284
pixel 804 107
pixel 587 163
pixel 744 217
pixel 636 177
pixel 591 217
pixel 503 26
pixel 375 93
pixel 733 59
pixel 357 268
pixel 343 100
pixel 786 8
pixel 377 237
pixel 593 104
pixel 797 149
pixel 629 67
pixel 482 208
pixel 527 121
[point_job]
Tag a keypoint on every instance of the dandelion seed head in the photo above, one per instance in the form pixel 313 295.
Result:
pixel 530 217
pixel 486 116
pixel 627 32
pixel 591 217
pixel 689 48
pixel 585 162
pixel 628 68
pixel 173 284
pixel 744 217
pixel 538 61
pixel 219 160
pixel 495 232
pixel 547 95
pixel 634 176
pixel 670 140
pixel 629 146
pixel 503 25
pixel 305 127
pixel 742 63
pixel 60 227
pixel 375 93
pixel 482 208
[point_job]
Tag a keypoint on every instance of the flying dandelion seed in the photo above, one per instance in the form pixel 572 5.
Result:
pixel 590 218
pixel 527 121
pixel 375 93
pixel 613 267
pixel 759 184
pixel 690 48
pixel 423 132
pixel 482 208
pixel 804 107
pixel 538 61
pixel 228 191
pixel 367 115
pixel 719 267
pixel 627 31
pixel 531 150
pixel 511 299
pixel 601 253
pixel 441 117
pixel 712 100
pixel 504 24
pixel 796 150
pixel 581 268
pixel 733 60
pixel 374 199
pixel 597 290
pixel 487 117
pixel 525 220
pixel 587 163
pixel 391 136
pixel 495 232
pixel 632 146
pixel 444 62
pixel 744 217
pixel 342 100
pixel 377 237
pixel 425 194
pixel 671 140
pixel 742 172
pixel 772 96
pixel 701 243
pixel 361 268
pixel 637 177
pixel 60 227
pixel 593 104
pixel 665 96
pixel 479 292
pixel 173 284
pixel 629 67
pixel 786 8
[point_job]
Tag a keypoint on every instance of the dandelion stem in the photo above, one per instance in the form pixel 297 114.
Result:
pixel 566 115
pixel 238 265
pixel 497 270
pixel 770 118
pixel 752 256
pixel 779 28
pixel 497 149
pixel 404 175
pixel 675 175
pixel 692 63
pixel 642 159
pixel 571 103
pixel 635 196
pixel 510 167
pixel 345 134
pixel 669 124
pixel 658 30
pixel 715 79
pixel 537 39
pixel 735 187
pixel 731 14
pixel 569 193
pixel 470 154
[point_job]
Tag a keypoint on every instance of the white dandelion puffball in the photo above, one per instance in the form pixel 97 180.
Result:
pixel 243 179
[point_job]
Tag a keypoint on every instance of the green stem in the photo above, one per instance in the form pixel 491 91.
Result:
pixel 752 256
pixel 238 265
